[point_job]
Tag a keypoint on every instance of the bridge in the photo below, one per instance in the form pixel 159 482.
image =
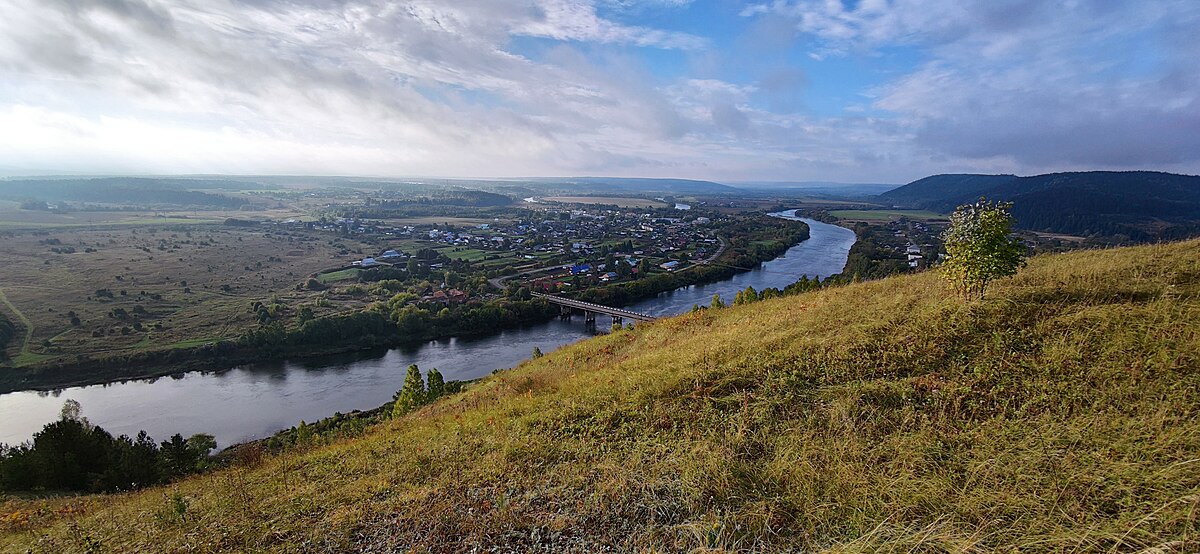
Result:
pixel 590 310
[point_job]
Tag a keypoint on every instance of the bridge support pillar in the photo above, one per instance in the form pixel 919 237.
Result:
pixel 564 312
pixel 616 321
pixel 589 318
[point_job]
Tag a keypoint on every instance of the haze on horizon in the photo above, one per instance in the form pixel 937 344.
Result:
pixel 867 91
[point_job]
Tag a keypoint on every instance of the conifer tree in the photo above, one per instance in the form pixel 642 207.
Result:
pixel 412 394
pixel 437 385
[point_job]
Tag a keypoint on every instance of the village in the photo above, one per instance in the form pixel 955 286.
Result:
pixel 545 250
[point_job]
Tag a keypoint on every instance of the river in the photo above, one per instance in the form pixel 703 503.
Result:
pixel 254 401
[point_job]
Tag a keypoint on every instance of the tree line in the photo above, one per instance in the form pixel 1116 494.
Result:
pixel 871 256
pixel 396 322
pixel 73 455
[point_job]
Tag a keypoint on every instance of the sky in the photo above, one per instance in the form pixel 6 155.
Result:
pixel 791 90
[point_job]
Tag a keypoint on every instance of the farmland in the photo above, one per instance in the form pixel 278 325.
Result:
pixel 98 291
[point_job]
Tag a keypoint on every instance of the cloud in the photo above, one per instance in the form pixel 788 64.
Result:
pixel 426 78
pixel 574 20
pixel 430 87
pixel 1043 85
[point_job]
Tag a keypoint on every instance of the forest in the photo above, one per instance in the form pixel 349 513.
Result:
pixel 1113 206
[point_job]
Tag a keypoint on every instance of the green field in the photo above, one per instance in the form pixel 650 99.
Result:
pixel 1061 414
pixel 885 215
pixel 335 276
pixel 466 254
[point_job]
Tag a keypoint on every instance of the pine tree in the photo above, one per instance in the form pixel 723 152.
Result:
pixel 537 353
pixel 437 385
pixel 412 394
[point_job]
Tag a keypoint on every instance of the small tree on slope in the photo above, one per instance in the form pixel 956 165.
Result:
pixel 980 248
pixel 413 393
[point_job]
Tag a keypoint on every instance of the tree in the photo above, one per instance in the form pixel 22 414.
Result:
pixel 716 302
pixel 745 296
pixel 202 444
pixel 980 248
pixel 176 458
pixel 643 268
pixel 69 454
pixel 437 384
pixel 412 394
pixel 71 410
pixel 537 353
pixel 133 464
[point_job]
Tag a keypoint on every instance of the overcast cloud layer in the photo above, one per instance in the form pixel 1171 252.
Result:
pixel 873 90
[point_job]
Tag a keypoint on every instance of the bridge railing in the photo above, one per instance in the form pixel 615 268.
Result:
pixel 588 306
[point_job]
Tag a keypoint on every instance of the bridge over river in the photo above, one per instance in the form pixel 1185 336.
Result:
pixel 590 310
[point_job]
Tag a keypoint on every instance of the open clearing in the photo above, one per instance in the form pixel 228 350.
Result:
pixel 335 276
pixel 620 201
pixel 885 215
pixel 144 286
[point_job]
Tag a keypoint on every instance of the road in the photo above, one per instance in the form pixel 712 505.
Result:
pixel 21 319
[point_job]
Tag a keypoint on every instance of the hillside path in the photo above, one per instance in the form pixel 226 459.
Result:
pixel 21 318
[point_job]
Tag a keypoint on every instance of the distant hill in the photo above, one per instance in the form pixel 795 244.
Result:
pixel 822 188
pixel 1060 415
pixel 142 191
pixel 640 185
pixel 1127 205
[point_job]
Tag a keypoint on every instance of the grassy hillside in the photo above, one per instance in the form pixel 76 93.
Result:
pixel 1058 415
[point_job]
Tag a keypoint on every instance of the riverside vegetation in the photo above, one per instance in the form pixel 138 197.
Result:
pixel 1058 414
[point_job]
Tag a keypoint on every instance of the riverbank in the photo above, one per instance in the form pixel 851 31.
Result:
pixel 267 344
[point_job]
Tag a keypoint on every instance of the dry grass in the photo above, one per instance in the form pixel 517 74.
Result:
pixel 1060 415
pixel 44 287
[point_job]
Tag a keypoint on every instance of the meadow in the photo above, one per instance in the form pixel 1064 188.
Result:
pixel 99 291
pixel 1060 414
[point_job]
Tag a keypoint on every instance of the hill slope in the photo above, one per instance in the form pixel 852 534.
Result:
pixel 1127 205
pixel 1059 415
